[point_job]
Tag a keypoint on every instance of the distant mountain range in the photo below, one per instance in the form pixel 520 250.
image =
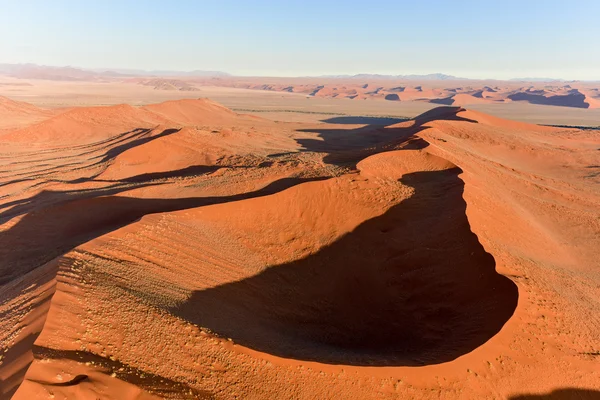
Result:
pixel 68 73
pixel 167 73
pixel 34 71
pixel 538 80
pixel 427 77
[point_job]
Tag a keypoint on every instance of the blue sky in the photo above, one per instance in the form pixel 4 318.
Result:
pixel 468 38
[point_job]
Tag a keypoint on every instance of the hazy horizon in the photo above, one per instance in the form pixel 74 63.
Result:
pixel 473 39
pixel 134 71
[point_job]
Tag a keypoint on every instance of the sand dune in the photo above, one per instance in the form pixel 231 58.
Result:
pixel 14 114
pixel 591 98
pixel 192 112
pixel 182 250
pixel 572 98
pixel 82 125
pixel 169 84
pixel 210 133
pixel 461 99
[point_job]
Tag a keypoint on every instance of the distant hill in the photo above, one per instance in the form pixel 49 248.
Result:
pixel 34 71
pixel 166 73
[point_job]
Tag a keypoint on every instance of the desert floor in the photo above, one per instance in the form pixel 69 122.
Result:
pixel 274 105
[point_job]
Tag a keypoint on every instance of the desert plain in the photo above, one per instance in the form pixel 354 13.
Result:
pixel 301 238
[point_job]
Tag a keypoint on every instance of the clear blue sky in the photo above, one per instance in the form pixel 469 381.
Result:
pixel 470 38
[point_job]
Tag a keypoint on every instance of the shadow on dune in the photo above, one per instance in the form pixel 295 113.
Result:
pixel 115 151
pixel 78 217
pixel 346 147
pixel 155 384
pixel 572 99
pixel 12 356
pixel 180 173
pixel 561 394
pixel 359 120
pixel 411 287
pixel 47 198
pixel 129 140
pixel 22 206
pixel 446 101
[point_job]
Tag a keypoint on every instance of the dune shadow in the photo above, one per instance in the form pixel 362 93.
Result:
pixel 152 383
pixel 346 147
pixel 48 197
pixel 561 394
pixel 573 99
pixel 360 120
pixel 117 150
pixel 193 170
pixel 446 101
pixel 122 142
pixel 411 287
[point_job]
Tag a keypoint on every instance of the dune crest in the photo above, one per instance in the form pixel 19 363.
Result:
pixel 192 111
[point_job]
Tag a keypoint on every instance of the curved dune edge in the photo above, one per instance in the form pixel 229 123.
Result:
pixel 130 295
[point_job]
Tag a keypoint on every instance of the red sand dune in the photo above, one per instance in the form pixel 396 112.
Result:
pixel 461 99
pixel 186 251
pixel 192 112
pixel 591 98
pixel 81 125
pixel 14 114
pixel 570 98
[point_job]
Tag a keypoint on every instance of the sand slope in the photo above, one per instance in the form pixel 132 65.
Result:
pixel 14 114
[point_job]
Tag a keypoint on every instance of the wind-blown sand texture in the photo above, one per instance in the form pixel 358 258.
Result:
pixel 183 250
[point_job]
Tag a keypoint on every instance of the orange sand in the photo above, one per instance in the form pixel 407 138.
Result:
pixel 183 251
